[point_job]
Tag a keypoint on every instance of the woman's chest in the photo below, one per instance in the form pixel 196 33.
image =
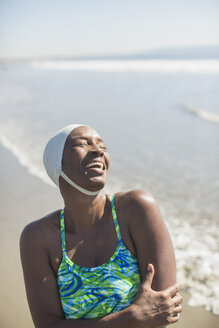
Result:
pixel 88 250
pixel 92 250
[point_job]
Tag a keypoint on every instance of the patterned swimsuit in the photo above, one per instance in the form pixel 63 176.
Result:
pixel 101 290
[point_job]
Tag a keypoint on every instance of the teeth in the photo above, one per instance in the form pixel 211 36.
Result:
pixel 99 164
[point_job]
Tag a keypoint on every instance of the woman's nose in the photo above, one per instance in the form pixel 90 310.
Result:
pixel 96 149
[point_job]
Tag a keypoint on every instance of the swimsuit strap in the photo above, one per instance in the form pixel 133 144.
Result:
pixel 62 227
pixel 112 198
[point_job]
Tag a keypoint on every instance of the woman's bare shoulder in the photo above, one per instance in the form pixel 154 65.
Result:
pixel 138 213
pixel 36 230
pixel 134 196
pixel 136 203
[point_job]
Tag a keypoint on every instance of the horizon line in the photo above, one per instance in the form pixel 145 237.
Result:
pixel 154 53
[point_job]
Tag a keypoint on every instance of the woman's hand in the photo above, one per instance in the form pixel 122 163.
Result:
pixel 155 309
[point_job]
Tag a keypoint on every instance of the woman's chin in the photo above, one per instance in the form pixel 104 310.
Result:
pixel 95 183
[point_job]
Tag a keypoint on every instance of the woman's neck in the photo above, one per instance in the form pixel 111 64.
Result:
pixel 82 212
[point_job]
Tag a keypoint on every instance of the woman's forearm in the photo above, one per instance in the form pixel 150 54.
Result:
pixel 124 318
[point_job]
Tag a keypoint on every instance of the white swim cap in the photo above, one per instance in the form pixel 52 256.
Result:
pixel 52 158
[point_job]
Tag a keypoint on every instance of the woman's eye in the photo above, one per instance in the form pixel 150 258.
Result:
pixel 86 144
pixel 83 145
pixel 80 145
pixel 103 147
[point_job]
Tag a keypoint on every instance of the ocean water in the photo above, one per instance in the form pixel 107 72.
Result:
pixel 160 121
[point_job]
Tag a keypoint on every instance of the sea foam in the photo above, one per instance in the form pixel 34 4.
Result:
pixel 24 160
pixel 197 259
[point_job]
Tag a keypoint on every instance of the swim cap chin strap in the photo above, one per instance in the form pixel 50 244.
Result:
pixel 73 184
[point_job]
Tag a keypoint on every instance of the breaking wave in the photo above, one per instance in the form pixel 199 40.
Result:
pixel 24 160
pixel 204 114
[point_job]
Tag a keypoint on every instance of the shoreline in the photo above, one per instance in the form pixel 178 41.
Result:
pixel 24 198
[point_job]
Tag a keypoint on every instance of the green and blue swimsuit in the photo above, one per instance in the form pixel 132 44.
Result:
pixel 98 291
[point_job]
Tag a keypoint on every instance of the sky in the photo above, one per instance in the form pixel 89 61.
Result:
pixel 37 28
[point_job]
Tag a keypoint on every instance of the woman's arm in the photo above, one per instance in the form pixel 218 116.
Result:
pixel 44 301
pixel 151 238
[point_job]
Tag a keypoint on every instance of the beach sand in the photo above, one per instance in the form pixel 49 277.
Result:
pixel 25 198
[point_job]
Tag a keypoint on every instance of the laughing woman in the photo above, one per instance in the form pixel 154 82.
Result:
pixel 104 260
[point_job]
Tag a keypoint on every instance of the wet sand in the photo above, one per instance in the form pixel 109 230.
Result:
pixel 24 198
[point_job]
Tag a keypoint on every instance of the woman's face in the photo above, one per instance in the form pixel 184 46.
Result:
pixel 86 159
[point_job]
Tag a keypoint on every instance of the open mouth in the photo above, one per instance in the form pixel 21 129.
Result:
pixel 95 165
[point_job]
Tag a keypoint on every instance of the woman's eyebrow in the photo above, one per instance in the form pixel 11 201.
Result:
pixel 100 140
pixel 75 138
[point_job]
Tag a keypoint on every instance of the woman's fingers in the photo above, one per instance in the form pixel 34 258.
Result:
pixel 173 289
pixel 149 276
pixel 174 315
pixel 177 310
pixel 177 299
pixel 163 306
pixel 173 319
